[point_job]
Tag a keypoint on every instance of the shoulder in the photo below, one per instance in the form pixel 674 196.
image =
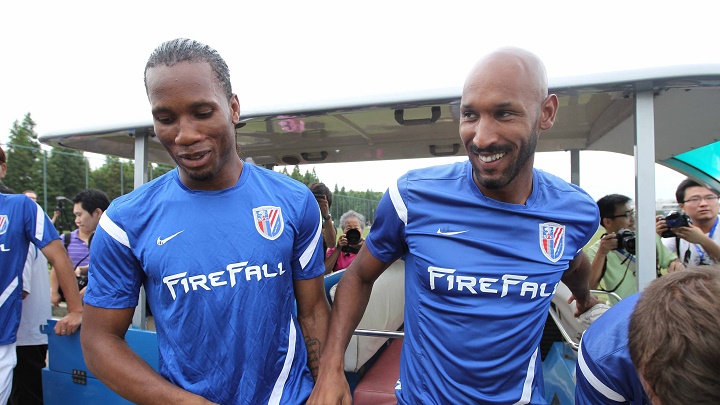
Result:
pixel 451 171
pixel 609 332
pixel 557 191
pixel 266 178
pixel 146 194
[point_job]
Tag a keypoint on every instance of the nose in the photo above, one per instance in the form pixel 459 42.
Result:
pixel 485 133
pixel 188 132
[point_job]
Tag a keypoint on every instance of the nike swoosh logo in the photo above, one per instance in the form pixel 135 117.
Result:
pixel 161 242
pixel 450 233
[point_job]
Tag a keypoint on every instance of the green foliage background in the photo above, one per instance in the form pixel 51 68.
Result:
pixel 59 172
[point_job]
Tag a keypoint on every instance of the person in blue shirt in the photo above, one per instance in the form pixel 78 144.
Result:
pixel 22 223
pixel 485 244
pixel 656 347
pixel 225 251
pixel 604 371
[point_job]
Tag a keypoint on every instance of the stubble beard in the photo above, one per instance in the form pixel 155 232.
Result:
pixel 526 151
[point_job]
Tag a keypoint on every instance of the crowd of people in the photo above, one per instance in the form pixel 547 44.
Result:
pixel 251 291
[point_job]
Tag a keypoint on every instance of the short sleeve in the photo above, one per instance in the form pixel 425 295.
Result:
pixel 308 258
pixel 115 274
pixel 386 240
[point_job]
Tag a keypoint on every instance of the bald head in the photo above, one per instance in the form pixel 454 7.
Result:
pixel 512 64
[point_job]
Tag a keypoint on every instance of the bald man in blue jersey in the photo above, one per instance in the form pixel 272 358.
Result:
pixel 485 244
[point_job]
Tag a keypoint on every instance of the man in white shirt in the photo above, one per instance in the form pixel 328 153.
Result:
pixel 699 243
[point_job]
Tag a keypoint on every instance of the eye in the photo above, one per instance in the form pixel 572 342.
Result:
pixel 469 115
pixel 204 114
pixel 503 114
pixel 164 120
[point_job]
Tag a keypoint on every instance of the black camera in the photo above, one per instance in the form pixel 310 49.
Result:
pixel 60 203
pixel 675 220
pixel 626 240
pixel 353 236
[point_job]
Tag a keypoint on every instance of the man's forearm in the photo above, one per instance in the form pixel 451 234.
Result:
pixel 351 299
pixel 314 328
pixel 577 277
pixel 711 248
pixel 131 377
pixel 596 269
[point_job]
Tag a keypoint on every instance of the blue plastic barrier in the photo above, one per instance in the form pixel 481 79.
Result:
pixel 66 379
pixel 559 374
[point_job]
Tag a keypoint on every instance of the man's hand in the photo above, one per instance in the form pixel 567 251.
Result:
pixel 69 324
pixel 55 298
pixel 608 243
pixel 660 225
pixel 81 271
pixel 330 390
pixel 691 233
pixel 324 207
pixel 675 265
pixel 583 306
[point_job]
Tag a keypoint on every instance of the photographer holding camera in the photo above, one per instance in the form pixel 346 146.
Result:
pixel 349 243
pixel 696 240
pixel 613 256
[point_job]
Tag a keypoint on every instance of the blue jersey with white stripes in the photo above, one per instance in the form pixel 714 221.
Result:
pixel 604 371
pixel 479 278
pixel 218 269
pixel 22 222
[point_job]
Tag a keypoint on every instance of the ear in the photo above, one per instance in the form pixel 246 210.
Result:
pixel 604 224
pixel 547 112
pixel 97 213
pixel 235 109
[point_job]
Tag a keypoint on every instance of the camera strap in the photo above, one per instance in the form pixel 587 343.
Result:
pixel 627 256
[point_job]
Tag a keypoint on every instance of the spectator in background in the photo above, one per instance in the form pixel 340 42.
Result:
pixel 88 207
pixel 349 243
pixel 31 195
pixel 324 198
pixel 699 243
pixel 614 269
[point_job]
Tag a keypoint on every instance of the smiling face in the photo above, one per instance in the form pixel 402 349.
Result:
pixel 195 122
pixel 503 109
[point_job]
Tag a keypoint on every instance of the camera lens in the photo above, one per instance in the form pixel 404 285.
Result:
pixel 353 236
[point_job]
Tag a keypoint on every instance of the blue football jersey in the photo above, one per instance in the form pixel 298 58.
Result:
pixel 22 222
pixel 479 278
pixel 605 373
pixel 218 268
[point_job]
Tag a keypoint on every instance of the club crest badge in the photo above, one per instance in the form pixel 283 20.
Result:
pixel 552 240
pixel 269 221
pixel 4 223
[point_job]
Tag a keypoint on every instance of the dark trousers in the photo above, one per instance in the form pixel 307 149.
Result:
pixel 27 375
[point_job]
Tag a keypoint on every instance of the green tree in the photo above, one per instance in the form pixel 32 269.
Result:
pixel 65 173
pixel 114 177
pixel 24 156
